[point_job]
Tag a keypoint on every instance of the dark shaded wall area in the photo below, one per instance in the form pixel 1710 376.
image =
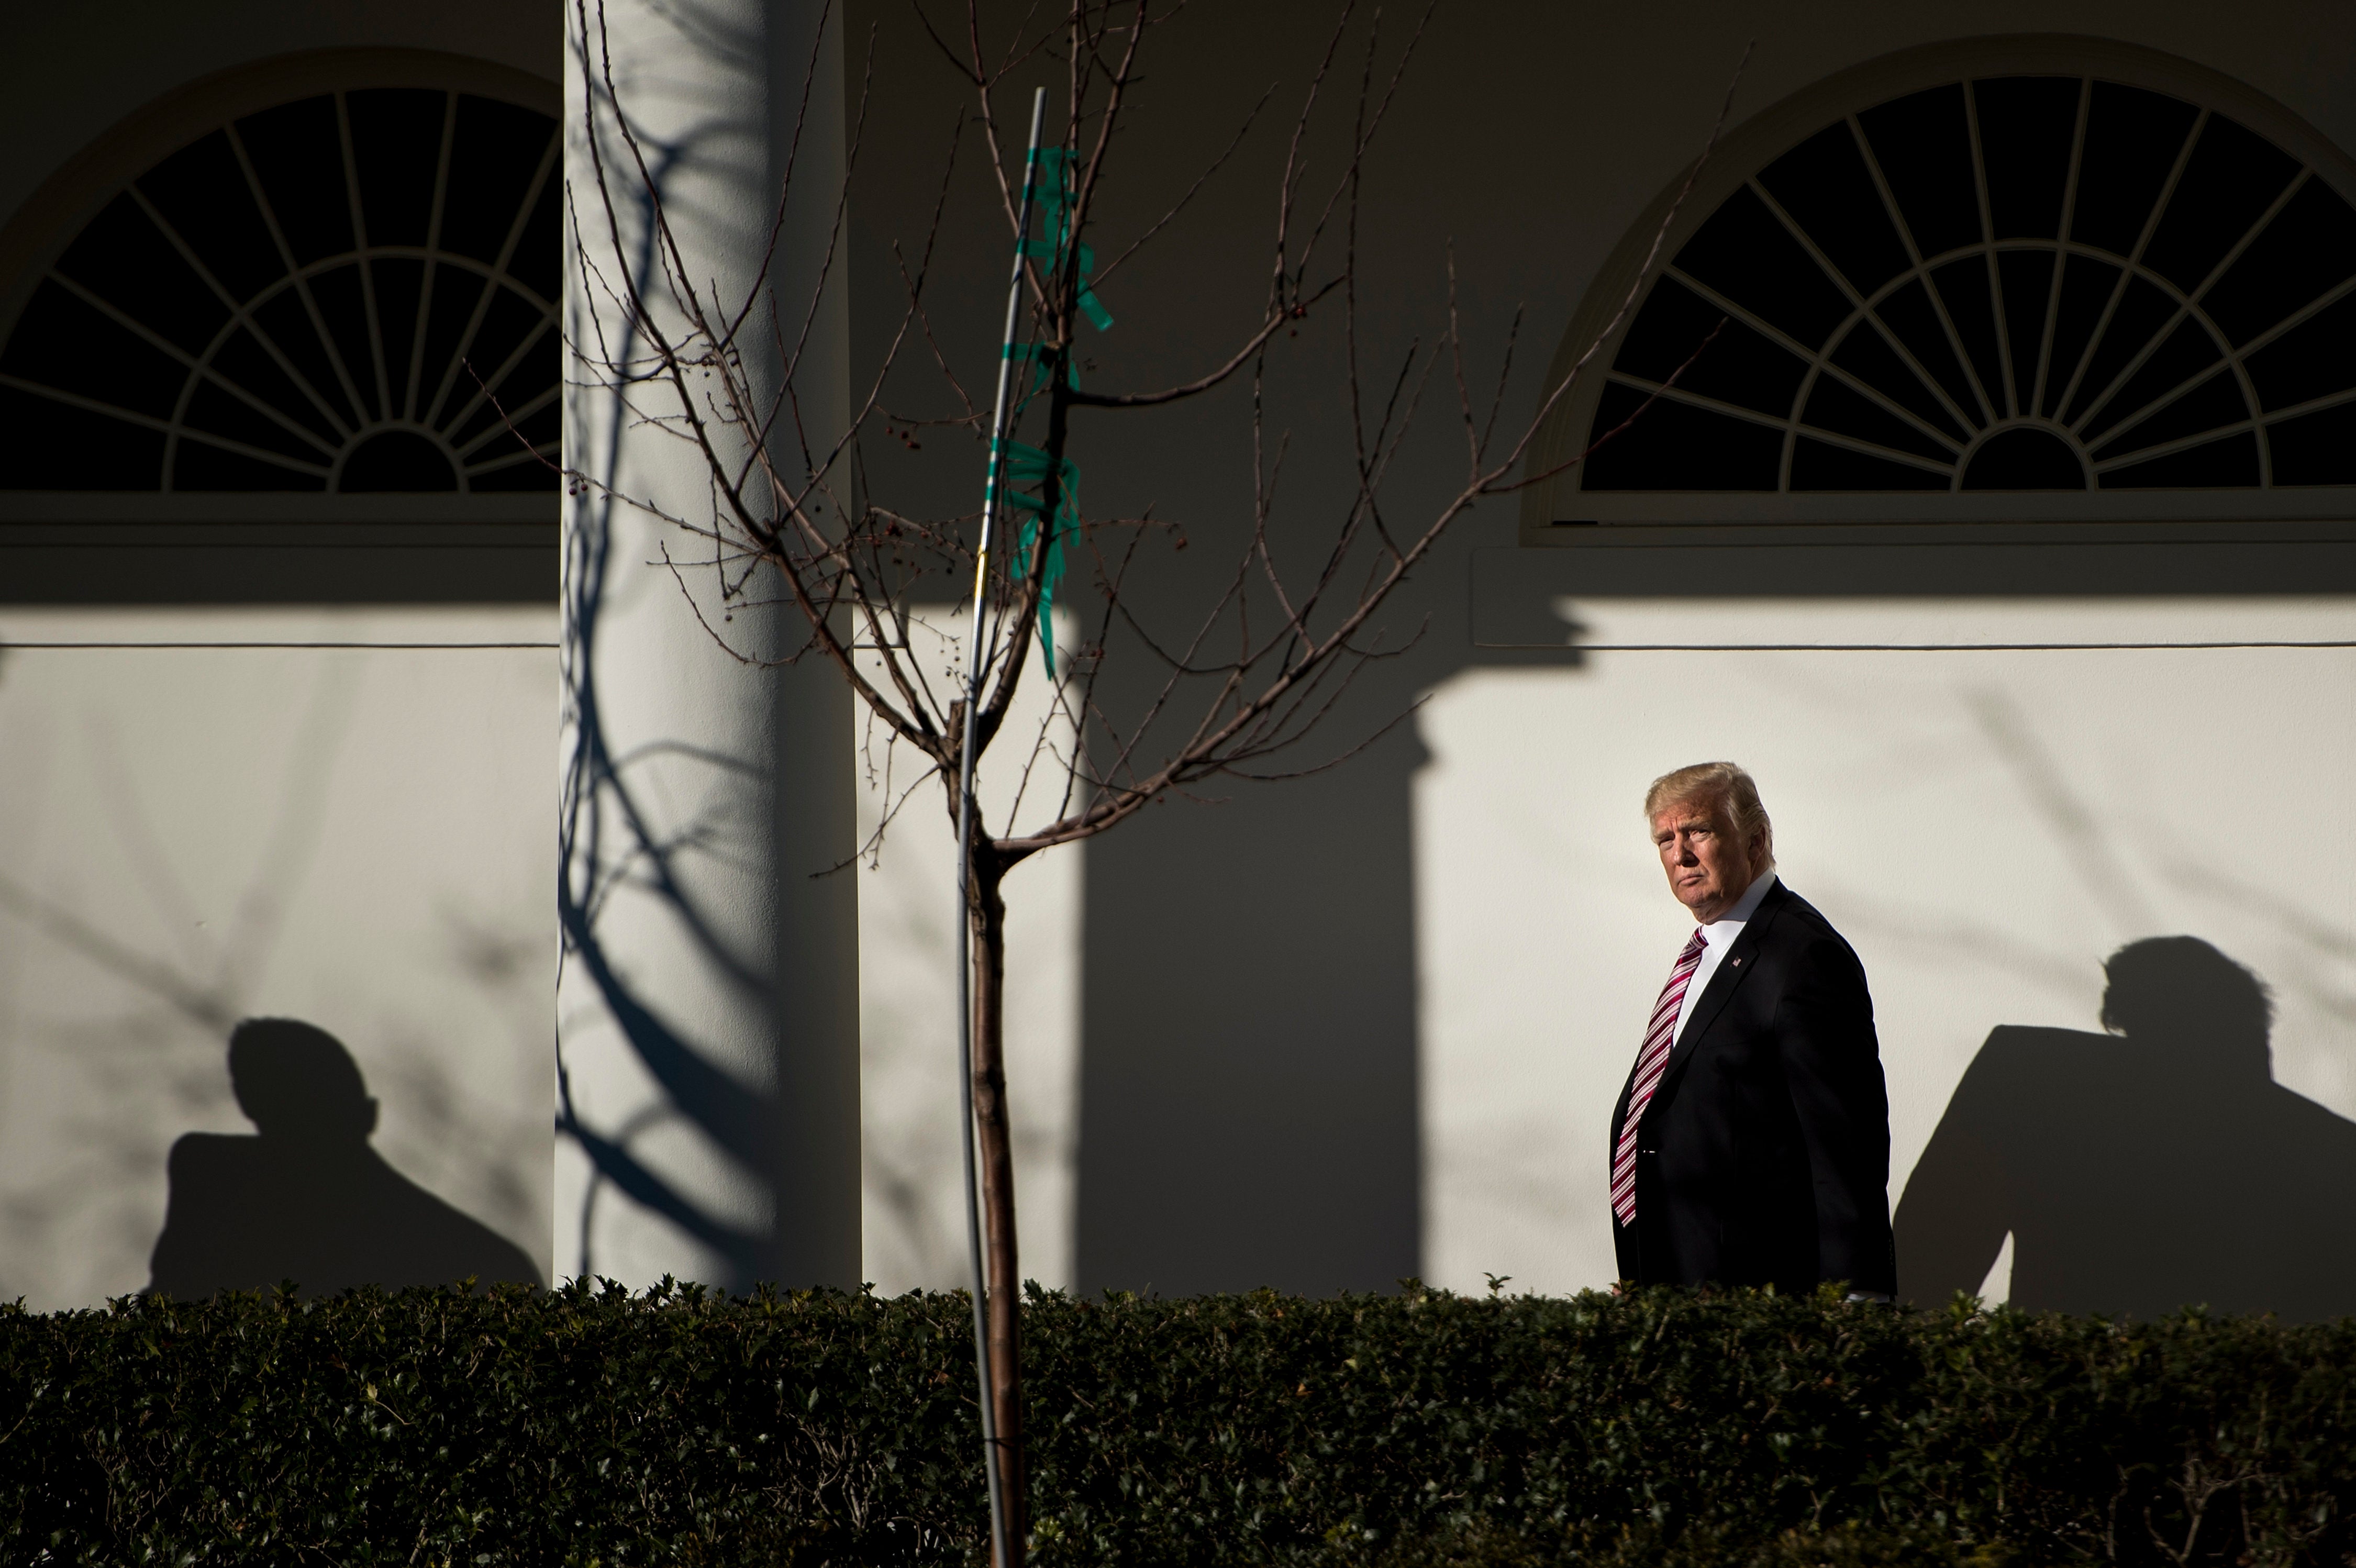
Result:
pixel 1249 1090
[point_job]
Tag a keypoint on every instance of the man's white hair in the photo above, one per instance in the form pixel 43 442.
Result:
pixel 1722 786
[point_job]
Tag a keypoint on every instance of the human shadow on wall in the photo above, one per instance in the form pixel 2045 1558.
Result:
pixel 2153 1167
pixel 305 1198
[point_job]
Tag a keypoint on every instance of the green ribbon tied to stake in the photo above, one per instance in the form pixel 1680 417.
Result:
pixel 1027 468
pixel 1042 361
pixel 1026 474
pixel 1055 197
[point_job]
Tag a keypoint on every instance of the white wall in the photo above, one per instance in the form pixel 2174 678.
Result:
pixel 1985 827
pixel 912 1168
pixel 362 838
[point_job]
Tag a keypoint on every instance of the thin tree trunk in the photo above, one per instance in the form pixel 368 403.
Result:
pixel 998 1187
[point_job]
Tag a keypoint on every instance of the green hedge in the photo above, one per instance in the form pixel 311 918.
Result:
pixel 591 1426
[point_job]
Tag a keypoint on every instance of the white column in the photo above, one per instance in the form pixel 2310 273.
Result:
pixel 708 1009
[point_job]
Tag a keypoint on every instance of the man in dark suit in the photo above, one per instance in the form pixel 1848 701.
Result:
pixel 1751 1143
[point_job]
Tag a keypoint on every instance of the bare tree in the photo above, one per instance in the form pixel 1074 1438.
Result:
pixel 1249 676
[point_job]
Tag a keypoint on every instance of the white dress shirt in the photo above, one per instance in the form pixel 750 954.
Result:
pixel 1717 937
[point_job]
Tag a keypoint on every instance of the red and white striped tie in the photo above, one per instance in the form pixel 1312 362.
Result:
pixel 1659 1035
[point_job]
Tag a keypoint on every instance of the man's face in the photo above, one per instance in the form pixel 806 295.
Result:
pixel 1708 867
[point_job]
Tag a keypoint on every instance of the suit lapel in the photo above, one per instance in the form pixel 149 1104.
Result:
pixel 1735 968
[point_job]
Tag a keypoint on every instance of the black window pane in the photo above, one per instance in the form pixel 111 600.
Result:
pixel 397 151
pixel 2314 358
pixel 397 460
pixel 244 361
pixel 62 341
pixel 202 193
pixel 1843 411
pixel 1824 185
pixel 343 305
pixel 1914 321
pixel 2183 354
pixel 1746 255
pixel 538 260
pixel 1867 355
pixel 1740 366
pixel 297 152
pixel 198 465
pixel 517 469
pixel 1675 446
pixel 125 260
pixel 498 150
pixel 400 286
pixel 2132 137
pixel 2316 448
pixel 2027 279
pixel 2141 311
pixel 2087 285
pixel 2229 181
pixel 54 446
pixel 534 372
pixel 288 321
pixel 1963 288
pixel 457 292
pixel 506 324
pixel 1924 148
pixel 175 303
pixel 2027 126
pixel 2024 458
pixel 2214 404
pixel 216 411
pixel 2019 327
pixel 1821 465
pixel 529 475
pixel 2310 248
pixel 2230 464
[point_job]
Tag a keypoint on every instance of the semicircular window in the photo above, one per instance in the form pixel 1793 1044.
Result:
pixel 354 292
pixel 2010 283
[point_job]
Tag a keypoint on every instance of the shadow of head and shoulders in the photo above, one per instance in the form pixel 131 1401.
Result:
pixel 2187 1043
pixel 2150 1166
pixel 306 1197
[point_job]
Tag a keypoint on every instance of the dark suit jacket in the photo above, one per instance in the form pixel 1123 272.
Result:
pixel 1764 1156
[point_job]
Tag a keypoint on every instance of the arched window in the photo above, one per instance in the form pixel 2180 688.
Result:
pixel 2043 280
pixel 350 291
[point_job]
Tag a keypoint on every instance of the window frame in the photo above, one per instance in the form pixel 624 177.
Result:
pixel 224 547
pixel 40 231
pixel 1560 500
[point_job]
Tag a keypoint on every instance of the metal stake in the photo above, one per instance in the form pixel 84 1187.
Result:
pixel 1001 1545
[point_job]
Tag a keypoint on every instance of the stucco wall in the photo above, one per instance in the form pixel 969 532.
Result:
pixel 355 837
pixel 1328 1033
pixel 1985 827
pixel 346 821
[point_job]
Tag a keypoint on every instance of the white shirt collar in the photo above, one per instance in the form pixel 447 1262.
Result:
pixel 1728 926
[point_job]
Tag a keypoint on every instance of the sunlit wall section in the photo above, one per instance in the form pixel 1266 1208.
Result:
pixel 913 1179
pixel 194 831
pixel 1986 826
